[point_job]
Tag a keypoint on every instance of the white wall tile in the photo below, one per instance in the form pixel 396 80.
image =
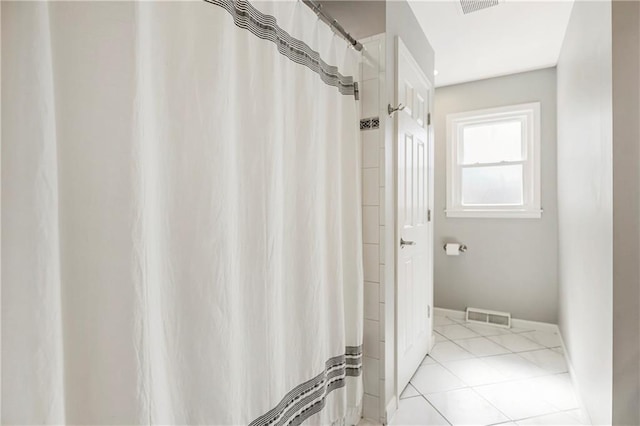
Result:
pixel 370 227
pixel 370 407
pixel 370 187
pixel 380 165
pixel 381 243
pixel 371 344
pixel 371 60
pixel 371 301
pixel 369 98
pixel 381 319
pixel 371 379
pixel 383 60
pixel 370 148
pixel 381 276
pixel 371 263
pixel 383 123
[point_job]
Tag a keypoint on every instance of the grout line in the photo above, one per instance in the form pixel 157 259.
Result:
pixel 491 404
pixel 438 411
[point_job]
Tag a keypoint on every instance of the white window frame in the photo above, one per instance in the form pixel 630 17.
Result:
pixel 529 115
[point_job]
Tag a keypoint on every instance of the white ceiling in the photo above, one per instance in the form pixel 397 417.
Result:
pixel 512 37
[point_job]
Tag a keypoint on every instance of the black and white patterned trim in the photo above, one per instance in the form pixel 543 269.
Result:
pixel 370 123
pixel 310 397
pixel 266 27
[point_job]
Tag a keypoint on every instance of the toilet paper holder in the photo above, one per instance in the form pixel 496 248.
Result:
pixel 461 249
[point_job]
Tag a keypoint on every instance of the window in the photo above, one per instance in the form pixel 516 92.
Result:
pixel 493 162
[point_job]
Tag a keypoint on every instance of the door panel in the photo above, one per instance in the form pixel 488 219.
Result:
pixel 414 260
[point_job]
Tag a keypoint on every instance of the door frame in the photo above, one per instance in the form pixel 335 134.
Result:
pixel 400 48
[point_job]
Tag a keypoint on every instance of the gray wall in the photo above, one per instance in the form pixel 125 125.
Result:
pixel 585 203
pixel 626 211
pixel 360 18
pixel 511 264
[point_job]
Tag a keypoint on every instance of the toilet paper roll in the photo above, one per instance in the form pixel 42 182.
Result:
pixel 453 249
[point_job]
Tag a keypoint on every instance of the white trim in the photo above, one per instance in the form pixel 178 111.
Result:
pixel 574 378
pixel 390 411
pixel 442 312
pixel 535 325
pixel 515 323
pixel 529 115
pixel 495 213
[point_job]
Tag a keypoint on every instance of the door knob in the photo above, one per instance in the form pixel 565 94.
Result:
pixel 403 243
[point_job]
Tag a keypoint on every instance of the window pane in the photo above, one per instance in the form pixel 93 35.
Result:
pixel 492 142
pixel 495 185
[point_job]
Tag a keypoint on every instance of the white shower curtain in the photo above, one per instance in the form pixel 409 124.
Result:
pixel 181 235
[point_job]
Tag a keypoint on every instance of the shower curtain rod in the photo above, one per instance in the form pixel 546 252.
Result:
pixel 333 23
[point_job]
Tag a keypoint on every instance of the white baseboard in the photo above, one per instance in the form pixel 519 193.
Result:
pixel 535 325
pixel 390 411
pixel 449 313
pixel 574 378
pixel 515 322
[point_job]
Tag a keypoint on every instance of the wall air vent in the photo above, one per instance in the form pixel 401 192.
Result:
pixel 470 6
pixel 482 316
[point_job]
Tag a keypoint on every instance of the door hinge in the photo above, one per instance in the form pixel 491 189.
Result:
pixel 428 311
pixel 429 215
pixel 429 119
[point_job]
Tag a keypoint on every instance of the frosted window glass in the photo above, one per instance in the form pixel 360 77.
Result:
pixel 493 185
pixel 492 142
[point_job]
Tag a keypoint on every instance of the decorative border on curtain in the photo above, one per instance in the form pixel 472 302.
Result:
pixel 266 27
pixel 310 397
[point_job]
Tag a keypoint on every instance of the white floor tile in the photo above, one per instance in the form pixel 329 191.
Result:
pixel 557 390
pixel 475 372
pixel 457 320
pixel 435 378
pixel 514 367
pixel 439 337
pixel 581 416
pixel 428 360
pixel 455 331
pixel 547 359
pixel 515 342
pixel 556 419
pixel 366 422
pixel 486 330
pixel 466 407
pixel 514 400
pixel 417 411
pixel 481 346
pixel 448 351
pixel 409 392
pixel 550 340
pixel 440 320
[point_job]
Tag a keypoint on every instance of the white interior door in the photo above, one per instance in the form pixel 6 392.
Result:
pixel 414 233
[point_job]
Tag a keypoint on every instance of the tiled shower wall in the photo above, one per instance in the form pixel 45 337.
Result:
pixel 371 126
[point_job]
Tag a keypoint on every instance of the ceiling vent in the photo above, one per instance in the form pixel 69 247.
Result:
pixel 470 6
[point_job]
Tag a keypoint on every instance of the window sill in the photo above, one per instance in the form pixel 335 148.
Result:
pixel 494 213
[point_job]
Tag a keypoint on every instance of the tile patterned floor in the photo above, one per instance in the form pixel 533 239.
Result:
pixel 481 375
